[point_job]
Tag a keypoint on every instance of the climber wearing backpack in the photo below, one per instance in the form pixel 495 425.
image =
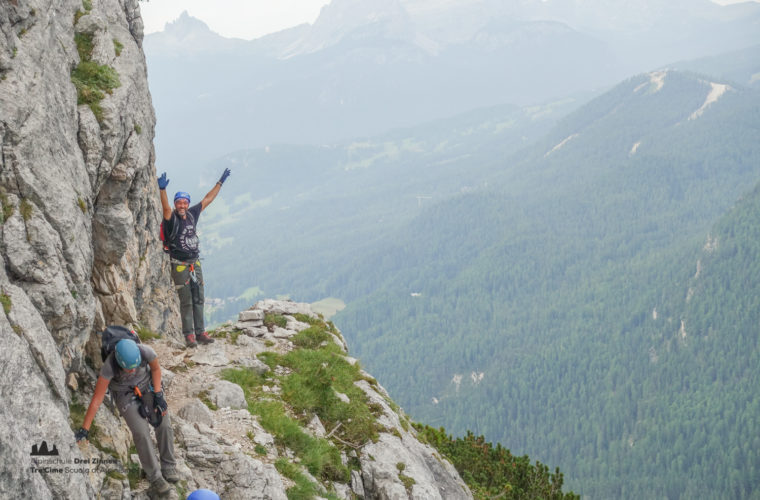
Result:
pixel 132 373
pixel 178 230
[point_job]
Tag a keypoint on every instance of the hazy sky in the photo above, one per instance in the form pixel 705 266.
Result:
pixel 246 19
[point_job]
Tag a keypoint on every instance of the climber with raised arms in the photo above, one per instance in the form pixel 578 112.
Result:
pixel 181 242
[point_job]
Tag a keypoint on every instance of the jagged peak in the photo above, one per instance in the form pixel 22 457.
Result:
pixel 186 25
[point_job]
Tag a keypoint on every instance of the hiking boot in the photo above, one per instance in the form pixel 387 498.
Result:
pixel 159 487
pixel 203 338
pixel 170 475
pixel 190 340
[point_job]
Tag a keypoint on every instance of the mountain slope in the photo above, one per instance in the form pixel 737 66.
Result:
pixel 365 67
pixel 347 198
pixel 555 274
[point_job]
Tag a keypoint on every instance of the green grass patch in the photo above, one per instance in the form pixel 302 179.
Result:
pixel 271 320
pixel 117 47
pixel 311 389
pixel 217 334
pixel 85 44
pixel 5 300
pixel 408 481
pixel 319 456
pixel 82 205
pixel 312 338
pixel 114 474
pixel 304 489
pixel 138 129
pixel 203 396
pixel 76 419
pixel 234 334
pixel 25 209
pixel 260 449
pixel 271 359
pixel 249 380
pixel 182 489
pixel 305 318
pixel 180 369
pixel 92 80
pixel 134 472
pixel 146 333
pixel 7 207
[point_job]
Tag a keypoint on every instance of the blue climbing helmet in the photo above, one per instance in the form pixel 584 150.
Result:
pixel 128 354
pixel 203 495
pixel 181 194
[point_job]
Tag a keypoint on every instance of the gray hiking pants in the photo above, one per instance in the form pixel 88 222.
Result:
pixel 129 409
pixel 190 291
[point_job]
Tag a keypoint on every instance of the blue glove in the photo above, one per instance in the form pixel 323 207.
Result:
pixel 160 402
pixel 81 434
pixel 224 176
pixel 163 182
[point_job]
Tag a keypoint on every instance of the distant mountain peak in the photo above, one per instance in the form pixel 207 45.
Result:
pixel 188 34
pixel 341 19
pixel 186 25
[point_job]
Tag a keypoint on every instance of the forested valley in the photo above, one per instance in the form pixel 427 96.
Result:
pixel 583 293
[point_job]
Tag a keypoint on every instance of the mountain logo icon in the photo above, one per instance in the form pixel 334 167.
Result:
pixel 43 450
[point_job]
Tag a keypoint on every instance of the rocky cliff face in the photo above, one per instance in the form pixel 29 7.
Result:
pixel 79 219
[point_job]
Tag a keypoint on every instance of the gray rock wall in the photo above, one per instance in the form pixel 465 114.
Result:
pixel 80 218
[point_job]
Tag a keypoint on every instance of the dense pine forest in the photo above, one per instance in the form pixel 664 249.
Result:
pixel 600 319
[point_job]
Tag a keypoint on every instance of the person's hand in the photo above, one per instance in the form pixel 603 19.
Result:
pixel 224 176
pixel 163 182
pixel 81 434
pixel 160 402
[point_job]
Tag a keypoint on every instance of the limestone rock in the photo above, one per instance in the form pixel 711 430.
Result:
pixel 78 234
pixel 316 427
pixel 433 478
pixel 282 333
pixel 225 394
pixel 251 315
pixel 196 411
pixel 256 365
pixel 284 307
pixel 296 325
pixel 226 470
pixel 212 354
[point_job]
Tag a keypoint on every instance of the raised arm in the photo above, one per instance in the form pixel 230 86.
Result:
pixel 206 201
pixel 166 208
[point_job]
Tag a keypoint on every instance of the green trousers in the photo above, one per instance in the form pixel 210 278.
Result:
pixel 188 281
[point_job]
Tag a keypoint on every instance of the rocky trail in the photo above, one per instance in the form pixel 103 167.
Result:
pixel 222 446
